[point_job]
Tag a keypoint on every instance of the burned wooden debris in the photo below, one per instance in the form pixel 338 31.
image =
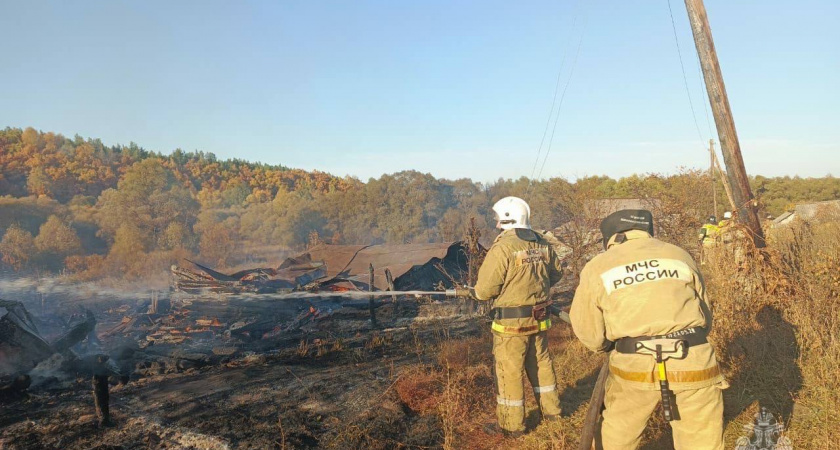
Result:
pixel 21 345
pixel 329 267
pixel 292 274
pixel 187 330
pixel 23 350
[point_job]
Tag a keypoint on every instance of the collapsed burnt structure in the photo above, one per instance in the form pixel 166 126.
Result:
pixel 327 267
pixel 239 305
pixel 212 318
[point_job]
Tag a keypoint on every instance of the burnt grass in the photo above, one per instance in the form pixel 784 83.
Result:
pixel 333 392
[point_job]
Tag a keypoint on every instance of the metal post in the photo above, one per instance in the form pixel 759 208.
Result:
pixel 730 147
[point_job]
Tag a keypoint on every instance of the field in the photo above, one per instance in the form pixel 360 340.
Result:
pixel 429 384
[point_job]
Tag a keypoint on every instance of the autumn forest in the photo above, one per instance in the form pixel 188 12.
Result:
pixel 80 207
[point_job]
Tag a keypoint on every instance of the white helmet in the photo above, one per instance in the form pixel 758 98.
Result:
pixel 512 212
pixel 727 215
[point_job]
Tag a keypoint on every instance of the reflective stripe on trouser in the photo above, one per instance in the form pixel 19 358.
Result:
pixel 513 354
pixel 628 409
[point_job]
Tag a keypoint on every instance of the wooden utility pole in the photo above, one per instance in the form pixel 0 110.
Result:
pixel 731 149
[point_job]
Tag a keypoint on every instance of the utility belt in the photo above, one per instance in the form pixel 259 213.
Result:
pixel 689 337
pixel 538 312
pixel 672 345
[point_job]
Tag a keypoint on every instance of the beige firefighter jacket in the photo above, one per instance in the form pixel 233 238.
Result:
pixel 644 287
pixel 519 270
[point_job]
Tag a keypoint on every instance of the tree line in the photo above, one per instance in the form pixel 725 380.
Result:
pixel 80 207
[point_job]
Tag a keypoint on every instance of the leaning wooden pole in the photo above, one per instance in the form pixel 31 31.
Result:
pixel 729 145
pixel 725 181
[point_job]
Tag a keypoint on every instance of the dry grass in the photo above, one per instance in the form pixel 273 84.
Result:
pixel 776 329
pixel 776 333
pixel 459 391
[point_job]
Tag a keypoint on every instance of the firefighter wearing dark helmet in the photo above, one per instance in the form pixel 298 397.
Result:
pixel 518 272
pixel 643 301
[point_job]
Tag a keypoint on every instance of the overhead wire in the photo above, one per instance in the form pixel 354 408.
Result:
pixel 562 98
pixel 556 90
pixel 685 78
pixel 554 100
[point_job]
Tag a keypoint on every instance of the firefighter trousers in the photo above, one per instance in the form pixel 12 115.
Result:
pixel 513 354
pixel 628 409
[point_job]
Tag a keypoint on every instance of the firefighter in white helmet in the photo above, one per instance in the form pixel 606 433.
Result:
pixel 518 271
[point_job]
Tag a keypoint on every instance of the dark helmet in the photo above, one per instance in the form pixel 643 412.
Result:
pixel 713 220
pixel 626 220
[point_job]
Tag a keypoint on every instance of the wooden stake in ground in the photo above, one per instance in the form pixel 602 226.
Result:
pixel 729 145
pixel 371 306
pixel 390 279
pixel 712 173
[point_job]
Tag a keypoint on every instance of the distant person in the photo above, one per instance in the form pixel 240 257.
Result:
pixel 767 224
pixel 709 232
pixel 518 272
pixel 727 220
pixel 645 299
pixel 725 228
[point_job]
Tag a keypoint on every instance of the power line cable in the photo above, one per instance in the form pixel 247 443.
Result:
pixel 563 96
pixel 548 119
pixel 556 90
pixel 685 78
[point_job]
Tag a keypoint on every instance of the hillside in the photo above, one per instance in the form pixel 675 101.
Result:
pixel 80 207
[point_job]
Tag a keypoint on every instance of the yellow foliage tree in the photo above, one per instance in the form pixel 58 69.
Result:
pixel 17 247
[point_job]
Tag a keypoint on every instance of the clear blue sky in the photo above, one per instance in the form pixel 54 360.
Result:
pixel 455 88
